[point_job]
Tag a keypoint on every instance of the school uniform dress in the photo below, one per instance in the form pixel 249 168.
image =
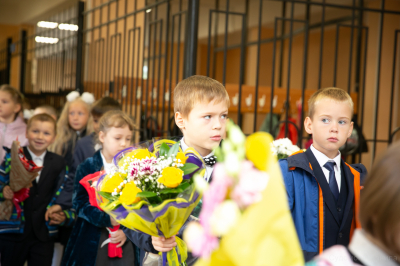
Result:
pixel 323 214
pixel 83 247
pixel 35 244
pixel 143 241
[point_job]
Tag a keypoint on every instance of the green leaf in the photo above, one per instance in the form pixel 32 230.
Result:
pixel 164 149
pixel 113 205
pixel 189 168
pixel 178 189
pixel 107 195
pixel 174 150
pixel 146 194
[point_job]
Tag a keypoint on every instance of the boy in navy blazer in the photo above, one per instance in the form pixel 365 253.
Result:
pixel 324 191
pixel 34 241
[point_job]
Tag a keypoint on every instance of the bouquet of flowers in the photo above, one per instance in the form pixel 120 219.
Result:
pixel 151 190
pixel 283 148
pixel 245 219
pixel 21 175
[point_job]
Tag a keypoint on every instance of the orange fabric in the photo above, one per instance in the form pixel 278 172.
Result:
pixel 356 222
pixel 321 219
pixel 300 151
pixel 292 168
pixel 310 166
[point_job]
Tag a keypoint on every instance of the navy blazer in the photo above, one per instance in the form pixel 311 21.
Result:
pixel 84 241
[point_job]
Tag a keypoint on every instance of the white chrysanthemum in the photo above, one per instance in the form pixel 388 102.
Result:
pixel 224 217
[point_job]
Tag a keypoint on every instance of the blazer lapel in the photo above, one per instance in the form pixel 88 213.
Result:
pixel 326 191
pixel 350 197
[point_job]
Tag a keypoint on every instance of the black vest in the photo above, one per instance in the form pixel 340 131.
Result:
pixel 338 215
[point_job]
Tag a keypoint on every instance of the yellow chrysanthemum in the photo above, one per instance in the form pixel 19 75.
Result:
pixel 171 177
pixel 129 193
pixel 181 156
pixel 111 182
pixel 258 149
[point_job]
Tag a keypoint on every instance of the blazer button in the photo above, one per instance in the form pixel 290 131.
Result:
pixel 339 209
pixel 340 235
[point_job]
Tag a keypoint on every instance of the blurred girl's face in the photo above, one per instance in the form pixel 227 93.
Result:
pixel 8 108
pixel 78 115
pixel 115 140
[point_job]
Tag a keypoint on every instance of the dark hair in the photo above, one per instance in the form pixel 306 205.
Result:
pixel 104 105
pixel 16 96
pixel 42 118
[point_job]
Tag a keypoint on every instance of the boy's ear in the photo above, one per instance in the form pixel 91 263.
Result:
pixel 350 130
pixel 307 125
pixel 179 121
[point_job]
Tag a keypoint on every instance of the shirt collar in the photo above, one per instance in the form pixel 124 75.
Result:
pixel 184 146
pixel 323 159
pixel 108 167
pixel 35 157
pixel 368 252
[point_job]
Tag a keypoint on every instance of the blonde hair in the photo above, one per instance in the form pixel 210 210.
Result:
pixel 196 89
pixel 115 118
pixel 42 118
pixel 48 109
pixel 380 199
pixel 16 96
pixel 332 93
pixel 65 131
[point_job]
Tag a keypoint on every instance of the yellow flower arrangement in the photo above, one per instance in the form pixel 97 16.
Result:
pixel 129 193
pixel 182 157
pixel 111 182
pixel 171 177
pixel 258 149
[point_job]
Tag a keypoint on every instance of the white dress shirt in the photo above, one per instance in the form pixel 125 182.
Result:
pixel 323 159
pixel 38 160
pixel 209 169
pixel 369 253
pixel 108 167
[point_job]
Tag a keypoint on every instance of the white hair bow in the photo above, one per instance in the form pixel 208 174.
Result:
pixel 87 97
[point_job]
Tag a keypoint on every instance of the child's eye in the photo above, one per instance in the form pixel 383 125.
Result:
pixel 224 116
pixel 117 138
pixel 342 122
pixel 325 120
pixel 207 117
pixel 35 131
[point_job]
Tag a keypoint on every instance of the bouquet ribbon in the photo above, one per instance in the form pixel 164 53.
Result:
pixel 20 196
pixel 113 250
pixel 177 255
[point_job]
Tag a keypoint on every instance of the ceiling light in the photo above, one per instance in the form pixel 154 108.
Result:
pixel 148 10
pixel 71 27
pixel 47 24
pixel 46 39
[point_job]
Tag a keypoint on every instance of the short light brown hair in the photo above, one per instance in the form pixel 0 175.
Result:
pixel 196 89
pixel 42 118
pixel 104 105
pixel 332 93
pixel 115 118
pixel 380 199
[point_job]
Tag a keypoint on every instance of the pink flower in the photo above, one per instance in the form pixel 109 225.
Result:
pixel 199 242
pixel 250 186
pixel 215 194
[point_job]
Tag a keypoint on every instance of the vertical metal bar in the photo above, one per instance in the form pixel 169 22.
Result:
pixel 393 85
pixel 271 108
pixel 283 15
pixel 351 46
pixel 304 84
pixel 123 60
pixel 242 63
pixel 209 44
pixel 170 73
pixel 215 43
pixel 23 60
pixel 225 43
pixel 378 79
pixel 8 60
pixel 260 7
pixel 138 62
pixel 159 73
pixel 289 68
pixel 153 59
pixel 192 28
pixel 358 54
pixel 79 47
pixel 336 55
pixel 147 81
pixel 321 50
pixel 165 65
pixel 363 87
